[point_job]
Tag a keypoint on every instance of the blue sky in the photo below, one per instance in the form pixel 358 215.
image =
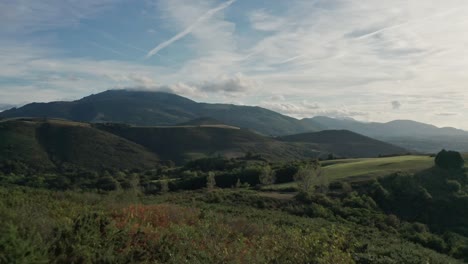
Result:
pixel 365 59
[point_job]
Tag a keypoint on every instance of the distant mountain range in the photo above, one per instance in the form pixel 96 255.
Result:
pixel 405 133
pixel 397 128
pixel 157 108
pixel 143 108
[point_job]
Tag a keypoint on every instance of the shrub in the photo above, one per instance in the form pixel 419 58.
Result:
pixel 449 160
pixel 210 181
pixel 267 176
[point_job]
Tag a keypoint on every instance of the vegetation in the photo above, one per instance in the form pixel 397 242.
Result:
pixel 362 222
pixel 182 144
pixel 267 176
pixel 30 146
pixel 356 170
pixel 210 181
pixel 79 193
pixel 307 177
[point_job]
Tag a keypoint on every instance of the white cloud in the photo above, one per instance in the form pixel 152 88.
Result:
pixel 299 109
pixel 263 21
pixel 332 53
pixel 231 85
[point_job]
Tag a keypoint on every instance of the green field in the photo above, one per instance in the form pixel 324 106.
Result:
pixel 358 169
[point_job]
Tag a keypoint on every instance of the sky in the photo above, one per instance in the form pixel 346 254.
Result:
pixel 364 59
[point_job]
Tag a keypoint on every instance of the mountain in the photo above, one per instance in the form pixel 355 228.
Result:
pixel 345 143
pixel 185 143
pixel 397 128
pixel 405 133
pixel 52 144
pixel 145 108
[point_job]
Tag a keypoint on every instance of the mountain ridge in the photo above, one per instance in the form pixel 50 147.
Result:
pixel 405 133
pixel 160 108
pixel 151 108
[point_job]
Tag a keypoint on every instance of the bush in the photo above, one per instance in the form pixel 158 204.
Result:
pixel 449 160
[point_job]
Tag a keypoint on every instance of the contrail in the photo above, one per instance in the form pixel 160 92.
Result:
pixel 189 29
pixel 415 21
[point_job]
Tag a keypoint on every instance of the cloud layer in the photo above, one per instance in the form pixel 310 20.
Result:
pixel 366 59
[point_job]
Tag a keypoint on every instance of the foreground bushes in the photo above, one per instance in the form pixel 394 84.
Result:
pixel 220 226
pixel 70 230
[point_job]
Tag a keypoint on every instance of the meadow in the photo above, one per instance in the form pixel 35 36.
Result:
pixel 364 169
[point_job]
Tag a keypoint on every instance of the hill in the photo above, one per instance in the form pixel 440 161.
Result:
pixel 345 143
pixel 50 145
pixel 405 133
pixel 145 108
pixel 185 143
pixel 357 170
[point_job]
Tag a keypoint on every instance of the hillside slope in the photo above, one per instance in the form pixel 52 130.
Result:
pixel 184 143
pixel 145 108
pixel 56 144
pixel 345 143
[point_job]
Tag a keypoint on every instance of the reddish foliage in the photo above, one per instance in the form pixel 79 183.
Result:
pixel 151 216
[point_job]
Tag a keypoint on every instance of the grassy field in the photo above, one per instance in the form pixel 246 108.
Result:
pixel 358 169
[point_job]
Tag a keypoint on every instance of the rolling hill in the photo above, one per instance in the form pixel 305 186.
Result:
pixel 53 144
pixel 50 144
pixel 345 143
pixel 145 108
pixel 404 133
pixel 183 143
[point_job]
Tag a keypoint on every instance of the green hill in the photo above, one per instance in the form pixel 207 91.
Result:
pixel 58 144
pixel 185 143
pixel 145 108
pixel 345 143
pixel 365 169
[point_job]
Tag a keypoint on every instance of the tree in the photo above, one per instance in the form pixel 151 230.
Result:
pixel 210 181
pixel 449 160
pixel 164 185
pixel 267 176
pixel 309 176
